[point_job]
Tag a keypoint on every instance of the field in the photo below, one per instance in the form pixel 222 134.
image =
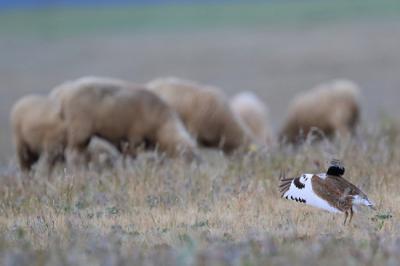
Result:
pixel 225 211
pixel 222 212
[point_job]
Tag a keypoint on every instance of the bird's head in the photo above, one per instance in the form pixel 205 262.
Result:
pixel 336 168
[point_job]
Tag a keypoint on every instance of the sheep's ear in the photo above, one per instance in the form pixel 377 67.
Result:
pixel 336 168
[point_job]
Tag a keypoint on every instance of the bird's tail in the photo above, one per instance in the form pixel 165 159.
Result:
pixel 371 205
pixel 284 185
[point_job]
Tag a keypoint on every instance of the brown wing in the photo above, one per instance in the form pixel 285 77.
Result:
pixel 335 190
pixel 345 184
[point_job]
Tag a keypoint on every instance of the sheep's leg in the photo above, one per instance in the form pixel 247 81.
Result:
pixel 123 147
pixel 26 158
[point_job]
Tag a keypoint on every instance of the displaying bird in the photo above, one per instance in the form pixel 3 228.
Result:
pixel 328 191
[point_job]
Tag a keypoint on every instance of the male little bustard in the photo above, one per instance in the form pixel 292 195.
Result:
pixel 329 191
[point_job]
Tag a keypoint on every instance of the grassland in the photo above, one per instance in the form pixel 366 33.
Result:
pixel 226 211
pixel 69 21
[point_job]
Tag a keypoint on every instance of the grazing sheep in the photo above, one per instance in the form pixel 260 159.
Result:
pixel 205 112
pixel 61 92
pixel 331 108
pixel 254 114
pixel 38 131
pixel 124 114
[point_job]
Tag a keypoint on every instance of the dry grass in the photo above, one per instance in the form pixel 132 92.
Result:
pixel 226 211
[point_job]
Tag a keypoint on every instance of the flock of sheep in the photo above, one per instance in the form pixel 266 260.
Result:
pixel 171 115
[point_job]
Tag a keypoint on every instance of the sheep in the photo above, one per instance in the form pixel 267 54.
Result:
pixel 38 131
pixel 125 114
pixel 254 114
pixel 61 92
pixel 331 108
pixel 205 112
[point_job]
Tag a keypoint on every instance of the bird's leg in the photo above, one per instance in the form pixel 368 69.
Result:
pixel 351 214
pixel 345 217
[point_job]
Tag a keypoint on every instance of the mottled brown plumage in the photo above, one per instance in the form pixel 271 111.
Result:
pixel 337 191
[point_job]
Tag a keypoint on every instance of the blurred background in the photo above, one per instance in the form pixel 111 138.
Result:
pixel 275 48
